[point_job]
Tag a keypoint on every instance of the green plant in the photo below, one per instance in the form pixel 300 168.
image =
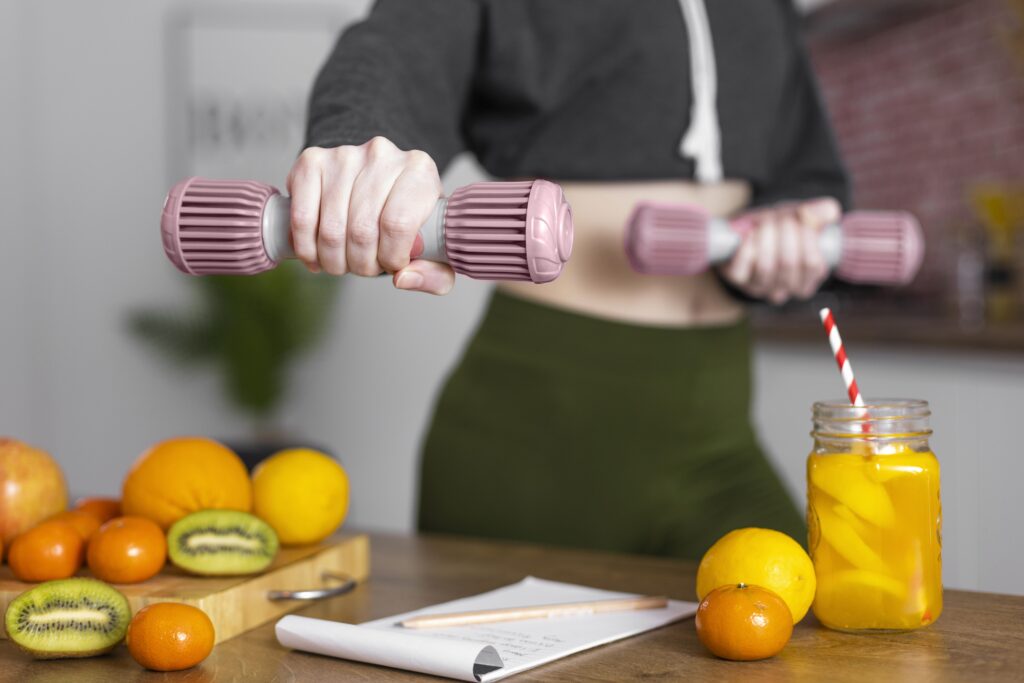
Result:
pixel 253 327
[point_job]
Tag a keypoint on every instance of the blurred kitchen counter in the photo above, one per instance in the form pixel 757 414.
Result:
pixel 898 331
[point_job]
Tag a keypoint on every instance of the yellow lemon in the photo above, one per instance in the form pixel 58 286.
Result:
pixel 302 494
pixel 760 557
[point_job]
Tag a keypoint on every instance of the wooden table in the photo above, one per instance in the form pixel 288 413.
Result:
pixel 980 636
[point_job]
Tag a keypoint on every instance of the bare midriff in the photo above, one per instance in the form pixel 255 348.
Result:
pixel 598 280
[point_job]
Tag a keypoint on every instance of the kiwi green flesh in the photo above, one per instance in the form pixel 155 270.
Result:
pixel 68 618
pixel 221 543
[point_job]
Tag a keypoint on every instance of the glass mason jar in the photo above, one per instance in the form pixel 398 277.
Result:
pixel 874 516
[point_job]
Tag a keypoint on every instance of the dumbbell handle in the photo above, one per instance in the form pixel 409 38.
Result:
pixel 724 238
pixel 277 227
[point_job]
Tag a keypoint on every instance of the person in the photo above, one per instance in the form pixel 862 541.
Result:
pixel 607 409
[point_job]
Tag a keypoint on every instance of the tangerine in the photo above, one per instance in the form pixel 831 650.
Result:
pixel 743 623
pixel 170 636
pixel 103 509
pixel 84 523
pixel 47 551
pixel 184 475
pixel 127 550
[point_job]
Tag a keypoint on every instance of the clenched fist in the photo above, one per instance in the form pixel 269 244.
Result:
pixel 779 257
pixel 358 209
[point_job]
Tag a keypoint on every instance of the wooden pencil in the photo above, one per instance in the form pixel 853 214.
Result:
pixel 567 609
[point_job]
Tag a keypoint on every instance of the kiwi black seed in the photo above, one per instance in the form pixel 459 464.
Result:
pixel 68 618
pixel 221 543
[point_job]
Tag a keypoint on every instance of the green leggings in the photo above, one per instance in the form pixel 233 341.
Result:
pixel 565 429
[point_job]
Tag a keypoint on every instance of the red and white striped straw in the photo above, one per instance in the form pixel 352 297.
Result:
pixel 832 330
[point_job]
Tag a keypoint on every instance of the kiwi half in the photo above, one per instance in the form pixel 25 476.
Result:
pixel 221 543
pixel 68 618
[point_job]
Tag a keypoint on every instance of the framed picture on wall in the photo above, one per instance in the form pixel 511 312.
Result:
pixel 238 76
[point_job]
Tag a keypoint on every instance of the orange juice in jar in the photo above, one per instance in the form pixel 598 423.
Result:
pixel 874 516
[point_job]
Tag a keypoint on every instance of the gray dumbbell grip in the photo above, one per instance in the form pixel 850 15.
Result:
pixel 723 242
pixel 277 226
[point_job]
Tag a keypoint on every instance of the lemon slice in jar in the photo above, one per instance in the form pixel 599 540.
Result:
pixel 843 477
pixel 860 580
pixel 863 597
pixel 847 515
pixel 894 460
pixel 842 537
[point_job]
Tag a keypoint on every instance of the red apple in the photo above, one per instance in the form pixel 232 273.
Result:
pixel 32 488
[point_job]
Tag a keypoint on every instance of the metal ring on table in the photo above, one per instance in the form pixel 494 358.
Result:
pixel 347 585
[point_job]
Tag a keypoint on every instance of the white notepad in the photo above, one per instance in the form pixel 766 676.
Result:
pixel 485 652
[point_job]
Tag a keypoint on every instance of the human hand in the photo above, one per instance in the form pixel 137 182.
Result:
pixel 779 257
pixel 358 209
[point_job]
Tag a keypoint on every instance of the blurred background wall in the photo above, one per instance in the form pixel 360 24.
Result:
pixel 92 134
pixel 927 99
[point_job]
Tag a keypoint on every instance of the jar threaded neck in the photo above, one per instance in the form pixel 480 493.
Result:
pixel 878 418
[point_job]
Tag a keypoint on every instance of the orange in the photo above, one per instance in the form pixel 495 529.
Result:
pixel 127 550
pixel 85 524
pixel 184 475
pixel 169 636
pixel 103 509
pixel 48 551
pixel 743 623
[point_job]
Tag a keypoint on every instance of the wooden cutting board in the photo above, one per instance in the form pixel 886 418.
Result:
pixel 237 604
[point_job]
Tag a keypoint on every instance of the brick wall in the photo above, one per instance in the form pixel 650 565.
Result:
pixel 923 110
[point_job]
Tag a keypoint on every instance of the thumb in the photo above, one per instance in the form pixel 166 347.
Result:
pixel 426 276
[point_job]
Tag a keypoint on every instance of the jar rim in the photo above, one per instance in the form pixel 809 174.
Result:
pixel 883 418
pixel 880 407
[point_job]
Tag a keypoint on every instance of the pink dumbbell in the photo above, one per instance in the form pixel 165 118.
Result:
pixel 866 247
pixel 487 231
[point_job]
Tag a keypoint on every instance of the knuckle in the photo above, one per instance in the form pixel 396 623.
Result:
pixel 310 158
pixel 332 237
pixel 303 221
pixel 346 156
pixel 398 225
pixel 363 233
pixel 302 172
pixel 393 262
pixel 378 145
pixel 832 204
pixel 419 160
